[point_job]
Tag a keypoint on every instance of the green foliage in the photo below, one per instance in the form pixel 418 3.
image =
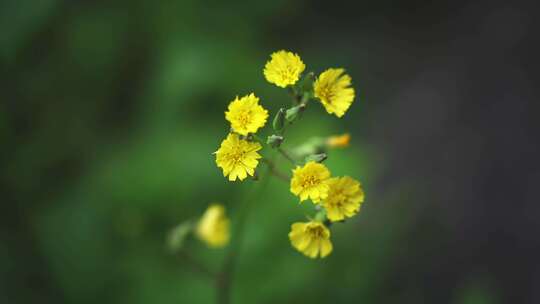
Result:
pixel 115 108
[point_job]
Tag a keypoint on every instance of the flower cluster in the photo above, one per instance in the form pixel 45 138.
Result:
pixel 335 198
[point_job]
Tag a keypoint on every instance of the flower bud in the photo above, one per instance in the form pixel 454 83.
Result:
pixel 293 113
pixel 338 141
pixel 319 158
pixel 279 120
pixel 274 140
pixel 178 235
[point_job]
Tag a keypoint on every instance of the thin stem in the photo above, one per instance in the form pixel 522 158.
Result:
pixel 294 94
pixel 195 264
pixel 224 278
pixel 280 150
pixel 286 155
pixel 274 171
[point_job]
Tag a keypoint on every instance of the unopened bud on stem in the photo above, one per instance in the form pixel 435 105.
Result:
pixel 279 120
pixel 274 140
pixel 178 235
pixel 319 158
pixel 293 113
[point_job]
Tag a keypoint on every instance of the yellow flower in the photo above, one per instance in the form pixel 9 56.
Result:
pixel 344 198
pixel 310 181
pixel 311 238
pixel 213 227
pixel 237 157
pixel 246 115
pixel 284 68
pixel 338 141
pixel 333 89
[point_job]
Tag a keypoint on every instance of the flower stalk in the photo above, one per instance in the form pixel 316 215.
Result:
pixel 334 198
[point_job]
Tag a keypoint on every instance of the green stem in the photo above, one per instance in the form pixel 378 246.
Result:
pixel 294 93
pixel 274 171
pixel 224 278
pixel 286 155
pixel 196 265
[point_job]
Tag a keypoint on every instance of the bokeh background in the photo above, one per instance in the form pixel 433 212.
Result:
pixel 110 111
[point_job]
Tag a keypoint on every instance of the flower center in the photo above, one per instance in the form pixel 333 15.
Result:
pixel 244 117
pixel 316 232
pixel 288 74
pixel 326 93
pixel 310 181
pixel 237 155
pixel 338 199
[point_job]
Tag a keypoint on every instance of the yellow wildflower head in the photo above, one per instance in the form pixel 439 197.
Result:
pixel 284 68
pixel 338 141
pixel 333 89
pixel 311 238
pixel 310 181
pixel 246 115
pixel 213 227
pixel 344 198
pixel 237 157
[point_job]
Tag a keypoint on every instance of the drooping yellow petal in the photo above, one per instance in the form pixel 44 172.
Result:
pixel 345 195
pixel 333 89
pixel 213 227
pixel 311 238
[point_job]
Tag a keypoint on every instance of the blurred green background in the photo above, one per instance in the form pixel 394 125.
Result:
pixel 110 113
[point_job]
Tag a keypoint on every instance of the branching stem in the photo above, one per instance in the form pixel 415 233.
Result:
pixel 286 155
pixel 274 171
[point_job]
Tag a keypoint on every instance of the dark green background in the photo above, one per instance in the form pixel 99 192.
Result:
pixel 110 111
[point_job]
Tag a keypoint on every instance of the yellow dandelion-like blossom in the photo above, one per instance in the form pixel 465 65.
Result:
pixel 338 141
pixel 309 181
pixel 246 115
pixel 284 68
pixel 237 157
pixel 311 238
pixel 333 89
pixel 344 198
pixel 213 227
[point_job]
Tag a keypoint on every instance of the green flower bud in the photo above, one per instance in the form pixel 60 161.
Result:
pixel 293 113
pixel 274 140
pixel 279 120
pixel 178 235
pixel 319 158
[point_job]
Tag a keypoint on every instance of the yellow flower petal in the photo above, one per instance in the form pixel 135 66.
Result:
pixel 237 157
pixel 284 68
pixel 338 141
pixel 213 227
pixel 309 181
pixel 344 198
pixel 333 89
pixel 246 115
pixel 311 238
